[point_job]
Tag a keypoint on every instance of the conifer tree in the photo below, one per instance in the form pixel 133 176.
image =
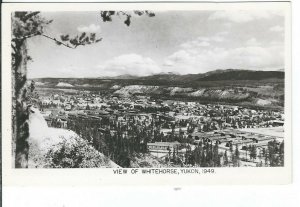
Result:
pixel 226 159
pixel 253 152
pixel 216 157
pixel 281 153
pixel 236 162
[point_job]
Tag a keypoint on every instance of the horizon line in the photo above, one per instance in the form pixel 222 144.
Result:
pixel 162 73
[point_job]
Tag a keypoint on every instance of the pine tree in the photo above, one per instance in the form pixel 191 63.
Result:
pixel 226 159
pixel 281 153
pixel 231 153
pixel 253 152
pixel 174 154
pixel 203 159
pixel 216 157
pixel 236 156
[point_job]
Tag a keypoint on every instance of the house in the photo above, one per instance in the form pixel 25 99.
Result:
pixel 162 146
pixel 278 123
pixel 62 121
pixel 48 120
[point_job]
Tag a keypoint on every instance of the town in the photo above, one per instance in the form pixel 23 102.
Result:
pixel 175 133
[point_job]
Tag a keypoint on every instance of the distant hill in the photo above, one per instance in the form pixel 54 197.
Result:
pixel 219 75
pixel 126 76
pixel 242 75
pixel 227 86
pixel 216 78
pixel 216 75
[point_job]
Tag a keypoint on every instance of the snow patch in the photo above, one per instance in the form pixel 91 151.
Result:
pixel 263 102
pixel 62 84
pixel 39 84
pixel 115 87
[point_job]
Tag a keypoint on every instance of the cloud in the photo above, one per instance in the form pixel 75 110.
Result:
pixel 276 29
pixel 251 55
pixel 92 28
pixel 204 41
pixel 131 64
pixel 241 16
pixel 252 42
pixel 195 43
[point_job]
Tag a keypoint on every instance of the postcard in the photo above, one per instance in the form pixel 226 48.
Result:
pixel 102 94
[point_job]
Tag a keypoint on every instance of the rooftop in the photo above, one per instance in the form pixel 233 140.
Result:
pixel 168 144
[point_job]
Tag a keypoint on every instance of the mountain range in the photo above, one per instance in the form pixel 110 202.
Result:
pixel 227 86
pixel 216 75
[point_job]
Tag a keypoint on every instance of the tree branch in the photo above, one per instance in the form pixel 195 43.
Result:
pixel 36 34
pixel 57 41
pixel 14 48
pixel 27 16
pixel 25 37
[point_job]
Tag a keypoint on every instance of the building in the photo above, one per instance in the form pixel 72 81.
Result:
pixel 162 146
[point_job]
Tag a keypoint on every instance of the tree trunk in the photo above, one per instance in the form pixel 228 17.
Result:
pixel 20 112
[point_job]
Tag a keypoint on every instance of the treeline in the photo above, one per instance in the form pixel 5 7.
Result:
pixel 112 141
pixel 207 154
pixel 274 154
pixel 122 141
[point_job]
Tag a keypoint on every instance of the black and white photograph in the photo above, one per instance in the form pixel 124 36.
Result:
pixel 152 103
pixel 148 88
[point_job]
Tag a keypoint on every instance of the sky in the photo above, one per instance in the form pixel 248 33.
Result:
pixel 180 42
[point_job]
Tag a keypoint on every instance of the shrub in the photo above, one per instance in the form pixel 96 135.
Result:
pixel 75 153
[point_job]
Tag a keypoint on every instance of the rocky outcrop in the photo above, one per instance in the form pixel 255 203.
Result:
pixel 137 89
pixel 205 93
pixel 60 148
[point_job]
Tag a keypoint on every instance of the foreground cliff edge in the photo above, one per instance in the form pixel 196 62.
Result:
pixel 60 148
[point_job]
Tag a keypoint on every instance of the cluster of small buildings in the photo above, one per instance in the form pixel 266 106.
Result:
pixel 241 138
pixel 198 122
